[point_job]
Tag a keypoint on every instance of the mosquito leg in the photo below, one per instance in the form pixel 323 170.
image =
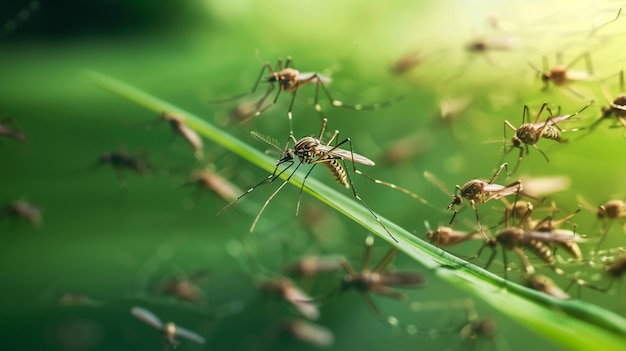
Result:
pixel 386 260
pixel 267 203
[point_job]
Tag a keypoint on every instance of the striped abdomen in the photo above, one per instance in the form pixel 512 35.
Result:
pixel 540 249
pixel 337 170
pixel 552 132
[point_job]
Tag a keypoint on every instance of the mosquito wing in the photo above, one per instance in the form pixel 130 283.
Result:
pixel 189 335
pixel 312 77
pixel 403 279
pixel 557 236
pixel 302 302
pixel 311 333
pixel 346 155
pixel 552 121
pixel 147 316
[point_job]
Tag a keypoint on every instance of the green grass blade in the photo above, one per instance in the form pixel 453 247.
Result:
pixel 574 324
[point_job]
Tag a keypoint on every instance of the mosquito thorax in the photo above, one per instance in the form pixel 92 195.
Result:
pixel 510 237
pixel 169 332
pixel 619 106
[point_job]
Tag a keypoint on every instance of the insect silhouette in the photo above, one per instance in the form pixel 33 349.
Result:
pixel 22 210
pixel 290 80
pixel 170 330
pixel 375 280
pixel 313 151
pixel 563 75
pixel 407 62
pixel 477 191
pixel 10 129
pixel 616 108
pixel 122 161
pixel 608 212
pixel 178 126
pixel 530 133
pixel 614 271
pixel 477 328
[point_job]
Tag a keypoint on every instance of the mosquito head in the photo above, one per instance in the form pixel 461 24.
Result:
pixel 516 142
pixel 477 46
pixel 354 282
pixel 286 78
pixel 546 76
pixel 169 332
pixel 287 156
pixel 457 200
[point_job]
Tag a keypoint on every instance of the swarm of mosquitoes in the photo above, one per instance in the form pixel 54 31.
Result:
pixel 521 230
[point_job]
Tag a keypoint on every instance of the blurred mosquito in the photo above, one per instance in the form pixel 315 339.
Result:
pixel 375 280
pixel 407 62
pixel 616 108
pixel 614 271
pixel 530 133
pixel 546 285
pixel 291 293
pixel 184 287
pixel 309 333
pixel 313 151
pixel 170 330
pixel 24 210
pixel 290 80
pixel 178 126
pixel 209 180
pixel 476 327
pixel 312 265
pixel 563 75
pixel 477 191
pixel 10 129
pixel 121 161
pixel 608 212
pixel 485 45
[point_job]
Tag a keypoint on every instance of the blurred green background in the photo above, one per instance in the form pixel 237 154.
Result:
pixel 117 243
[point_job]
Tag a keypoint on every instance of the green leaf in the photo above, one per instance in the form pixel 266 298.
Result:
pixel 575 324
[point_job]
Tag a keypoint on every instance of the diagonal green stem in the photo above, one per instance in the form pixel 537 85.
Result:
pixel 575 324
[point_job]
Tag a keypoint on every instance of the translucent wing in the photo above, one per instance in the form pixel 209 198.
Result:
pixel 147 316
pixel 437 182
pixel 189 335
pixel 347 155
pixel 557 235
pixel 404 279
pixel 302 302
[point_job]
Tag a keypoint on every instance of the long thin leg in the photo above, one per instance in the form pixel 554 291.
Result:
pixel 272 197
pixel 386 260
pixel 369 241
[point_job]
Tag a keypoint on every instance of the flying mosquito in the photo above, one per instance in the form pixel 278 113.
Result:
pixel 24 210
pixel 209 180
pixel 313 151
pixel 375 280
pixel 563 75
pixel 170 330
pixel 10 129
pixel 290 80
pixel 530 133
pixel 178 126
pixel 477 191
pixel 617 106
pixel 608 212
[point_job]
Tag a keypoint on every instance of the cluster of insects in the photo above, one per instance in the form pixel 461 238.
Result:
pixel 548 245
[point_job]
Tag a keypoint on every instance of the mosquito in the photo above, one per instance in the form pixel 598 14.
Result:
pixel 614 271
pixel 563 75
pixel 291 293
pixel 446 236
pixel 476 328
pixel 617 106
pixel 530 133
pixel 10 129
pixel 407 62
pixel 206 179
pixel 546 285
pixel 313 151
pixel 307 332
pixel 517 238
pixel 290 80
pixel 178 126
pixel 183 287
pixel 170 330
pixel 477 191
pixel 608 212
pixel 375 280
pixel 22 209
pixel 120 161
